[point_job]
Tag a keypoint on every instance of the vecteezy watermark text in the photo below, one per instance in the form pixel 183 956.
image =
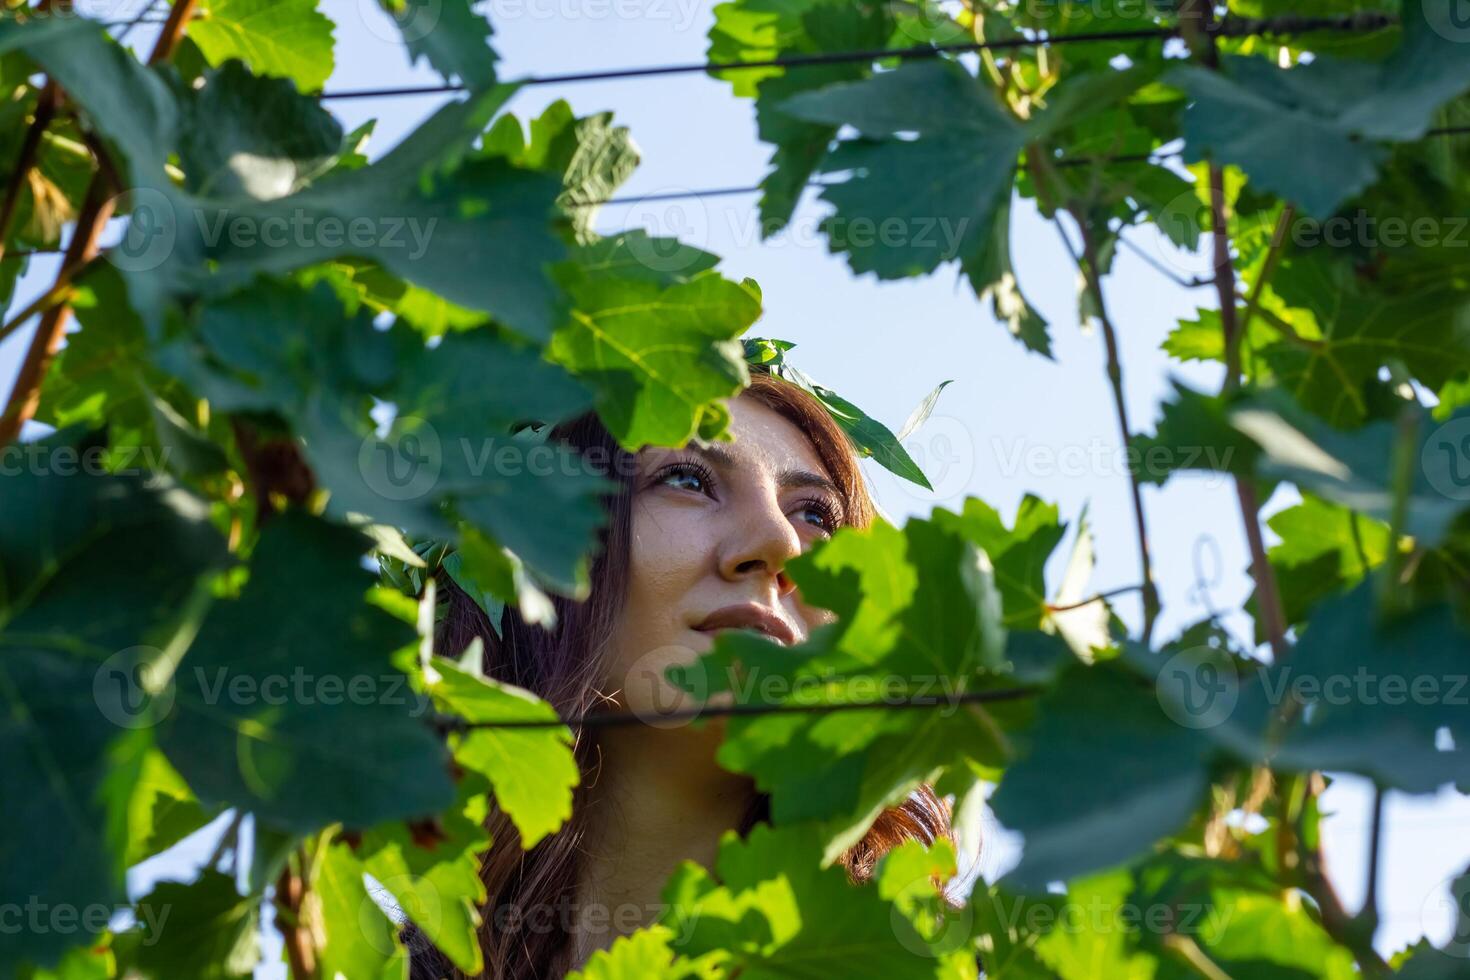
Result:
pixel 35 916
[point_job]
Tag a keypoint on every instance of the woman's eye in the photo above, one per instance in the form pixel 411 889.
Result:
pixel 698 479
pixel 826 515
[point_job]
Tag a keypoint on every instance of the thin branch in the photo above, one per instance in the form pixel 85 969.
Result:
pixel 1196 20
pixel 1101 596
pixel 1159 267
pixel 173 30
pixel 1189 954
pixel 1091 271
pixel 1268 268
pixel 1405 458
pixel 25 396
pixel 1343 928
pixel 26 159
pixel 61 291
pixel 1368 914
pixel 1289 332
pixel 290 899
pixel 142 18
pixel 1044 178
pixel 229 840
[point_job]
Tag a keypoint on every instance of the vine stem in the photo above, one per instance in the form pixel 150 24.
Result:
pixel 60 291
pixel 1195 22
pixel 1099 597
pixel 26 159
pixel 290 900
pixel 1342 927
pixel 25 396
pixel 1045 177
pixel 1369 912
pixel 1090 271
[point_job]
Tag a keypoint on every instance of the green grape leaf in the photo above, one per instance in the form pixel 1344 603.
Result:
pixel 1361 329
pixel 657 355
pixel 1354 469
pixel 1018 553
pixel 478 236
pixel 1007 927
pixel 1268 435
pixel 131 553
pixel 300 732
pixel 275 143
pixel 775 911
pixel 1092 936
pixel 532 770
pixel 353 937
pixel 993 266
pixel 800 145
pixel 95 962
pixel 287 38
pixel 1428 963
pixel 1203 339
pixel 593 157
pixel 644 955
pixel 450 35
pixel 956 175
pixel 203 929
pixel 1328 110
pixel 455 403
pixel 1193 433
pixel 1323 548
pixel 1380 692
pixel 754 30
pixel 161 809
pixel 970 144
pixel 1077 817
pixel 129 105
pixel 476 232
pixel 438 889
pixel 1236 916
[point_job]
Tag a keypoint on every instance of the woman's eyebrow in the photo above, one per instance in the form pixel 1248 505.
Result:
pixel 787 480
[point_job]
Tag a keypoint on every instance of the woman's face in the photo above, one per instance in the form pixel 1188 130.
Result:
pixel 712 529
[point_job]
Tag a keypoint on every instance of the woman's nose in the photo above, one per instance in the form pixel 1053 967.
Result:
pixel 761 540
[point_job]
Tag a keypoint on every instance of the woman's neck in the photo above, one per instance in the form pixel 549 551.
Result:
pixel 656 799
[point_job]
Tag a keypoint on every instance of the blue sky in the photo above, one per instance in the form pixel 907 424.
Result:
pixel 1011 423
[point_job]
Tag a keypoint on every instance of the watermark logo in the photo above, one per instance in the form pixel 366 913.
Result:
pixel 152 230
pixel 944 449
pixel 681 14
pixel 923 21
pixel 934 935
pixel 405 896
pixel 1187 218
pixel 655 700
pixel 408 20
pixel 134 688
pixel 1446 459
pixel 1450 19
pixel 1449 900
pixel 671 217
pixel 1198 687
pixel 404 466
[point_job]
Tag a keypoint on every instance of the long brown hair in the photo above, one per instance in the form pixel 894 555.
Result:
pixel 563 666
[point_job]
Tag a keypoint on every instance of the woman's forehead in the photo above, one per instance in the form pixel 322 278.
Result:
pixel 762 437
